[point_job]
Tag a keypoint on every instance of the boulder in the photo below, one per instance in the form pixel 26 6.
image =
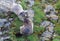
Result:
pixel 8 24
pixel 11 19
pixel 4 38
pixel 53 17
pixel 11 6
pixel 1 33
pixel 3 4
pixel 49 30
pixel 50 12
pixel 46 35
pixel 45 23
pixel 4 25
pixel 48 25
pixel 2 22
pixel 49 8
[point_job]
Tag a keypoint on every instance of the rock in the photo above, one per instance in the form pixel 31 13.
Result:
pixel 54 1
pixel 4 38
pixel 2 22
pixel 45 23
pixel 49 26
pixel 3 4
pixel 46 35
pixel 4 29
pixel 1 33
pixel 53 12
pixel 53 17
pixel 7 40
pixel 31 3
pixel 17 9
pixel 2 11
pixel 13 7
pixel 18 2
pixel 49 7
pixel 50 13
pixel 11 19
pixel 49 30
pixel 1 39
pixel 8 24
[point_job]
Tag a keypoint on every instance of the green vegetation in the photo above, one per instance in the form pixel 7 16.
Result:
pixel 58 5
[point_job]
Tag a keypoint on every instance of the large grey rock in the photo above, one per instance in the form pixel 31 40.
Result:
pixel 45 23
pixel 31 2
pixel 49 30
pixel 53 17
pixel 17 8
pixel 4 38
pixel 11 6
pixel 1 33
pixel 8 24
pixel 1 39
pixel 2 22
pixel 48 25
pixel 5 24
pixel 50 12
pixel 46 35
pixel 48 8
pixel 3 4
pixel 11 19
